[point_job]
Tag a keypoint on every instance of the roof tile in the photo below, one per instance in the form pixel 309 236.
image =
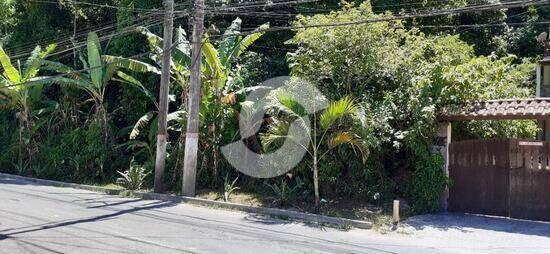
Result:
pixel 505 109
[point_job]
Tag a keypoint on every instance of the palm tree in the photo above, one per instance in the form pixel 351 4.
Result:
pixel 100 71
pixel 342 123
pixel 20 91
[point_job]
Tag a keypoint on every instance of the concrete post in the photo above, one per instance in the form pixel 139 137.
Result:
pixel 441 145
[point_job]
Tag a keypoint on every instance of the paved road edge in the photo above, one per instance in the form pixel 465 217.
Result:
pixel 306 217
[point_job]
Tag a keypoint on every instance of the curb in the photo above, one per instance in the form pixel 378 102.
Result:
pixel 306 217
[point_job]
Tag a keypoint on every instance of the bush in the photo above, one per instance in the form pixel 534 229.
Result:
pixel 8 144
pixel 133 178
pixel 427 183
pixel 284 192
pixel 77 155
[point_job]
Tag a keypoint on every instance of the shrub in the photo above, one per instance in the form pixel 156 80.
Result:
pixel 427 183
pixel 133 178
pixel 283 193
pixel 229 187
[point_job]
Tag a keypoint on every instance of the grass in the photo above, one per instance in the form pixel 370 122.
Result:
pixel 110 186
pixel 379 215
pixel 356 209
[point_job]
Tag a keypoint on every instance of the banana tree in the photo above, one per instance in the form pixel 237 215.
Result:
pixel 220 80
pixel 100 71
pixel 342 123
pixel 19 90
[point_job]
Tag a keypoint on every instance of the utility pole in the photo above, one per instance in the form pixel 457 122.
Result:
pixel 192 135
pixel 162 134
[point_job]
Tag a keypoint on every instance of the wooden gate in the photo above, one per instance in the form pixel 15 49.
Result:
pixel 500 177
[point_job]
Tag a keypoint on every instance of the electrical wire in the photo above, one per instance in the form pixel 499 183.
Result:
pixel 407 16
pixel 112 26
pixel 70 45
pixel 61 75
pixel 382 19
pixel 460 10
pixel 102 6
pixel 486 25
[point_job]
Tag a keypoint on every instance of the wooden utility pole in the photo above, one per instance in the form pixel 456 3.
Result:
pixel 192 135
pixel 162 134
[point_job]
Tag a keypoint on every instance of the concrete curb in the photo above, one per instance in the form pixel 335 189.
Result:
pixel 306 217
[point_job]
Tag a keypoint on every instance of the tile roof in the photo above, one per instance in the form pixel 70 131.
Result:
pixel 506 109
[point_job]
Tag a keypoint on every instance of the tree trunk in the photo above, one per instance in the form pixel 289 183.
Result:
pixel 21 130
pixel 25 126
pixel 316 179
pixel 101 116
pixel 214 153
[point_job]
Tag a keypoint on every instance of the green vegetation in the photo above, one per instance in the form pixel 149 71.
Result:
pixel 133 178
pixel 89 114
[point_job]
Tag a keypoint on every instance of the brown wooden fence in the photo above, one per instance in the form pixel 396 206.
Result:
pixel 500 177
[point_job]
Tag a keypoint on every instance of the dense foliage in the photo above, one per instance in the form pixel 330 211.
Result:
pixel 386 81
pixel 404 78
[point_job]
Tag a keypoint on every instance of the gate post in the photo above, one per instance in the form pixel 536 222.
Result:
pixel 441 146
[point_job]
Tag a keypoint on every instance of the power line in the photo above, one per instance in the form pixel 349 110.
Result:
pixel 461 10
pixel 431 13
pixel 70 45
pixel 134 57
pixel 261 5
pixel 391 18
pixel 155 10
pixel 486 25
pixel 496 22
pixel 109 27
pixel 126 30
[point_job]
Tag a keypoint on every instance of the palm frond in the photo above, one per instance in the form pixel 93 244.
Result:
pixel 181 42
pixel 109 71
pixel 280 130
pixel 10 71
pixel 94 60
pixel 48 80
pixel 56 66
pixel 286 103
pixel 176 116
pixel 251 38
pixel 129 64
pixel 180 53
pixel 337 110
pixel 36 60
pixel 230 40
pixel 275 135
pixel 212 58
pixel 140 124
pixel 352 139
pixel 243 44
pixel 155 41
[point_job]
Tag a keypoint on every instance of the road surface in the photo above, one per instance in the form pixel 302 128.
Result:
pixel 45 219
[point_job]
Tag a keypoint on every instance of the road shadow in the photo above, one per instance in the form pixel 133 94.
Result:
pixel 84 220
pixel 6 180
pixel 466 223
pixel 266 220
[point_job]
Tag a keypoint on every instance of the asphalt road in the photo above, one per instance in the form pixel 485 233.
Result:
pixel 45 219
